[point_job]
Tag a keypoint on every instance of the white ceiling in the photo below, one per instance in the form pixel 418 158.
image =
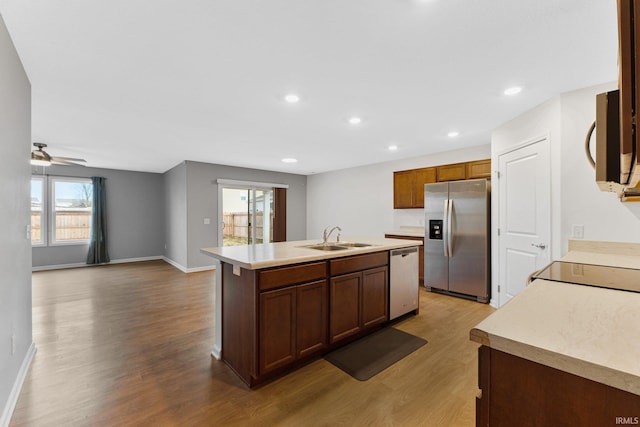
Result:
pixel 144 84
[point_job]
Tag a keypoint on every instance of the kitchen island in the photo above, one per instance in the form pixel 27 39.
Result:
pixel 283 304
pixel 563 353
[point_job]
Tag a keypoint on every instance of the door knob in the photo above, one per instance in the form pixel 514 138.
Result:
pixel 539 245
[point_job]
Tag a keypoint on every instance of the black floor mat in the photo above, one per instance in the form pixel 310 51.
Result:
pixel 370 355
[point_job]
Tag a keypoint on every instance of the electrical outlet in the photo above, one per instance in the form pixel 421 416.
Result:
pixel 577 231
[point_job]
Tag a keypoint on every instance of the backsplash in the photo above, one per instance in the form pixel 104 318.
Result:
pixel 408 218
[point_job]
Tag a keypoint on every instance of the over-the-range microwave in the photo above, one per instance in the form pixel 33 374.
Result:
pixel 617 161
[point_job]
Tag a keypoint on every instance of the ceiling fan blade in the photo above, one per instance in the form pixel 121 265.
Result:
pixel 60 161
pixel 66 159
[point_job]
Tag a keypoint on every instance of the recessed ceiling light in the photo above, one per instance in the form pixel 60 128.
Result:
pixel 393 147
pixel 453 134
pixel 513 90
pixel 292 98
pixel 289 160
pixel 355 120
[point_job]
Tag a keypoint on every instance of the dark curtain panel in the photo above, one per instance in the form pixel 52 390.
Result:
pixel 280 214
pixel 98 246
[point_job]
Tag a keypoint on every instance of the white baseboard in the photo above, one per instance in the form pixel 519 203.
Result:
pixel 205 268
pixel 78 265
pixel 140 259
pixel 188 270
pixel 175 264
pixel 57 267
pixel 217 352
pixel 17 386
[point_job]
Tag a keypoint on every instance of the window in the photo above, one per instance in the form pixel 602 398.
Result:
pixel 61 215
pixel 38 220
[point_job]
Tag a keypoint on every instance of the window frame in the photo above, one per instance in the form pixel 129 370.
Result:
pixel 44 229
pixel 52 211
pixel 48 211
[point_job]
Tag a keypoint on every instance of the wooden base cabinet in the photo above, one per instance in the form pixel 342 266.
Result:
pixel 375 296
pixel 312 318
pixel 358 301
pixel 277 328
pixel 293 324
pixel 345 306
pixel 275 319
pixel 518 392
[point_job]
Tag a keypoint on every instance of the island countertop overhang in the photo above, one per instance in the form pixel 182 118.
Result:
pixel 255 257
pixel 586 331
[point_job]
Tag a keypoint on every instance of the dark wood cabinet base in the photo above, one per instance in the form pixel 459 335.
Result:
pixel 519 392
pixel 276 319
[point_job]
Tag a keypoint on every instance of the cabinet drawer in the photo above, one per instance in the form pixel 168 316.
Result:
pixel 358 263
pixel 279 277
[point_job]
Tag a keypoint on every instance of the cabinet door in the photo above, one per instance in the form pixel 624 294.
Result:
pixel 423 176
pixel 312 318
pixel 344 311
pixel 479 169
pixel 452 172
pixel 403 183
pixel 277 328
pixel 374 296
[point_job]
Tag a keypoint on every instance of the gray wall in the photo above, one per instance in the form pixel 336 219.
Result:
pixel 15 245
pixel 135 212
pixel 153 215
pixel 202 202
pixel 175 208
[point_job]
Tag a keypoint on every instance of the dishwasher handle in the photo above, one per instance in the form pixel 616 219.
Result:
pixel 404 252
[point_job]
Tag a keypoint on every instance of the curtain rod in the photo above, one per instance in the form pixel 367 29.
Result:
pixel 63 176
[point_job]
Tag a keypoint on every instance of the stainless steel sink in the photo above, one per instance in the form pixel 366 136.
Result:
pixel 353 244
pixel 338 246
pixel 326 247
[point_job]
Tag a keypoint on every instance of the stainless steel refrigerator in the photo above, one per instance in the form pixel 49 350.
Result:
pixel 457 238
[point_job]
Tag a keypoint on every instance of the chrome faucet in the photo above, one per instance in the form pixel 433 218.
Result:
pixel 325 235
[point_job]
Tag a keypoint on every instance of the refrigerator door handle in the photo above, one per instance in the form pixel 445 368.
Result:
pixel 450 228
pixel 445 227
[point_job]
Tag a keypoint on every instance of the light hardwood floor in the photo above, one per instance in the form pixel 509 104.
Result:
pixel 129 345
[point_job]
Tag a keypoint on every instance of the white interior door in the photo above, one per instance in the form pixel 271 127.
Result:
pixel 524 216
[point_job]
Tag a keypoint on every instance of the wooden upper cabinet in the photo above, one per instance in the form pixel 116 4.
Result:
pixel 403 183
pixel 408 187
pixel 454 172
pixel 423 176
pixel 479 169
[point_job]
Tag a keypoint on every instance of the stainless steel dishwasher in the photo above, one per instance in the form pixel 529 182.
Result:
pixel 403 285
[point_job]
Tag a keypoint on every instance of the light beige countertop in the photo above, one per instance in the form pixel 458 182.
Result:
pixel 590 332
pixel 254 257
pixel 407 231
pixel 587 331
pixel 614 254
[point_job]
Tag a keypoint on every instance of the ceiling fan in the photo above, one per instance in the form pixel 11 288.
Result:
pixel 39 157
